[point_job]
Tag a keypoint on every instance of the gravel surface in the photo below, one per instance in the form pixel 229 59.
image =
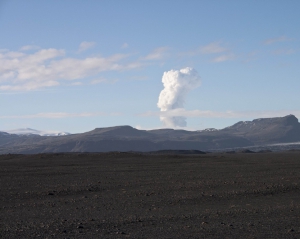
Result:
pixel 127 195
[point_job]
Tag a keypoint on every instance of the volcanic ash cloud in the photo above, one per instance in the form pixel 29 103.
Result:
pixel 177 84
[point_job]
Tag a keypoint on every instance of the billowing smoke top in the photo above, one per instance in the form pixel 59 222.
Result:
pixel 177 84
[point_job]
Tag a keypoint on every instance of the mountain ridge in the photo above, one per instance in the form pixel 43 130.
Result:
pixel 126 138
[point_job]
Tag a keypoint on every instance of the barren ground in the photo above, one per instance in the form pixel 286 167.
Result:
pixel 124 195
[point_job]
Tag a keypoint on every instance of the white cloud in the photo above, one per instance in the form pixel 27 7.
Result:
pixel 157 54
pixel 47 67
pixel 12 54
pixel 139 127
pixel 221 114
pixel 177 85
pixel 226 57
pixel 85 45
pixel 278 39
pixel 58 115
pixel 25 71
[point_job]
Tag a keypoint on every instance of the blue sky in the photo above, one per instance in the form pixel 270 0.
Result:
pixel 78 65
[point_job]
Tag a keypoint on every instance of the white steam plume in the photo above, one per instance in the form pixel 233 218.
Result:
pixel 177 84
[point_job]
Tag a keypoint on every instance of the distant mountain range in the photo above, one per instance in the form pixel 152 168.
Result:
pixel 125 138
pixel 28 131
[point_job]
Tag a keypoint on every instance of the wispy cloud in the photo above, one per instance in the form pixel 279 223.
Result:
pixel 26 71
pixel 103 80
pixel 58 115
pixel 47 67
pixel 283 52
pixel 212 48
pixel 220 52
pixel 77 83
pixel 277 39
pixel 31 85
pixel 3 50
pixel 222 58
pixel 157 54
pixel 29 47
pixel 85 45
pixel 250 56
pixel 139 78
pixel 220 114
pixel 125 45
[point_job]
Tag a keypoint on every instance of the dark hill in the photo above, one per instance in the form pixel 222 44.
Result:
pixel 185 152
pixel 268 130
pixel 119 131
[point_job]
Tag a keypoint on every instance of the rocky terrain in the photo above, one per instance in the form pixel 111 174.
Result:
pixel 256 133
pixel 132 195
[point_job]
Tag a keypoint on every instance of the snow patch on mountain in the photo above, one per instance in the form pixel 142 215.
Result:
pixel 29 131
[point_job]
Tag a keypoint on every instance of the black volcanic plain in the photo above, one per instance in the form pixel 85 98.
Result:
pixel 125 138
pixel 134 195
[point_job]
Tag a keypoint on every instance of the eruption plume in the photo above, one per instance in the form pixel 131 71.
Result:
pixel 177 84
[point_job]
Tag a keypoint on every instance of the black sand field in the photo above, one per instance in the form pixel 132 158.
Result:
pixel 124 195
